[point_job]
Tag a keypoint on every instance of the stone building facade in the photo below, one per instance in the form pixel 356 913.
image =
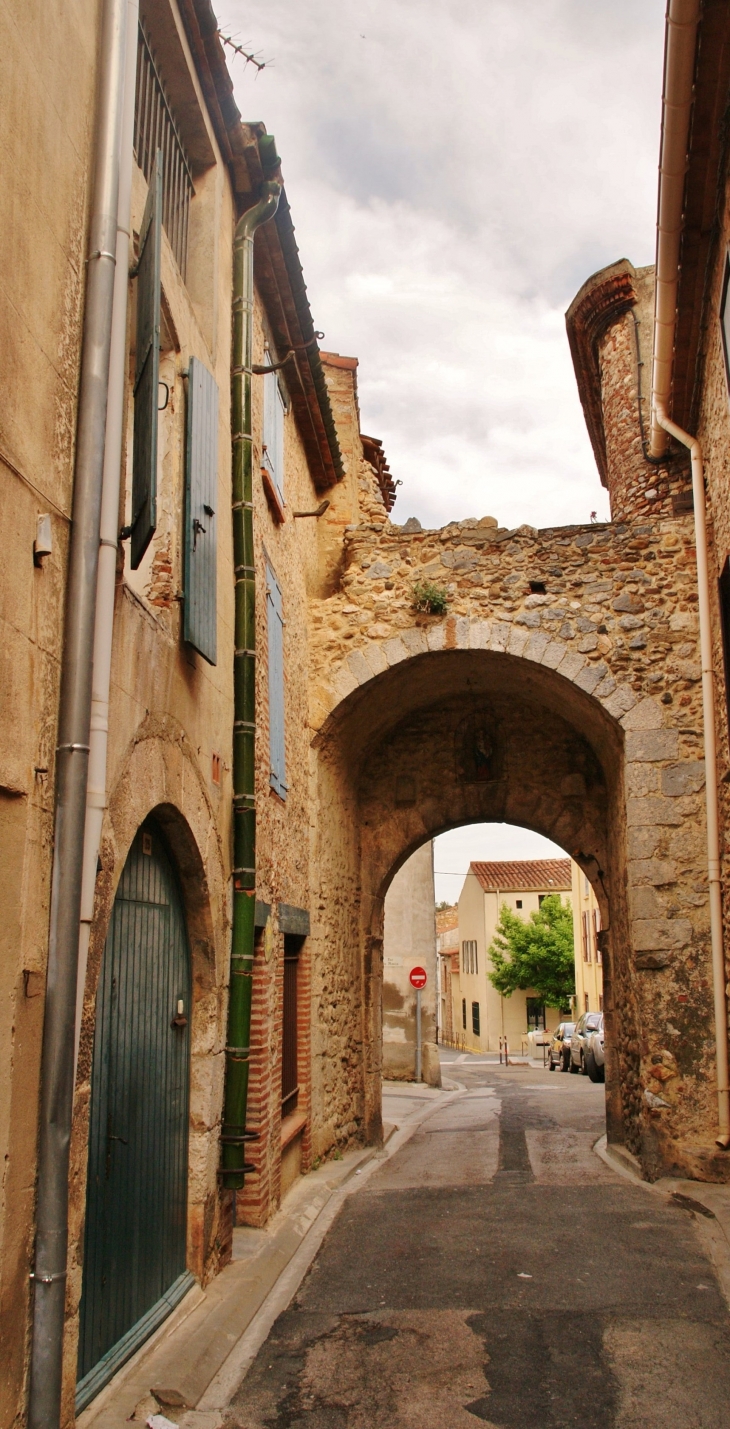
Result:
pixel 169 792
pixel 559 690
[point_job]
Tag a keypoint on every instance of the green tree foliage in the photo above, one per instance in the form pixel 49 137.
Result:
pixel 535 953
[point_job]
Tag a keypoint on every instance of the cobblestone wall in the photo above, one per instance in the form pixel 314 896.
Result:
pixel 575 650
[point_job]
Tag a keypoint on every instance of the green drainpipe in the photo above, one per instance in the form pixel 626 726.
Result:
pixel 234 1134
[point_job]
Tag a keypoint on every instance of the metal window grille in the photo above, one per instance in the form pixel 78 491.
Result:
pixel 155 128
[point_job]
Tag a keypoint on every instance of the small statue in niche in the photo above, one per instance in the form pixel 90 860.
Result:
pixel 477 750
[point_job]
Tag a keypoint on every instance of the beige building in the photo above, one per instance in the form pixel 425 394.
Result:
pixel 409 940
pixel 588 955
pixel 480 1015
pixel 447 963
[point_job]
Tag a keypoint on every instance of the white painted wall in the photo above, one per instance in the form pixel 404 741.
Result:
pixel 409 941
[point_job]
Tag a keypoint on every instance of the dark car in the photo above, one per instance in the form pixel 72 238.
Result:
pixel 559 1054
pixel 581 1053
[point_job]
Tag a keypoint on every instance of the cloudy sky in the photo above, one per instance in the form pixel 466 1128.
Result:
pixel 456 171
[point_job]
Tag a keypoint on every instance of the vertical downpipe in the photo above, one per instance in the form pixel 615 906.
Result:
pixel 233 1134
pixel 72 753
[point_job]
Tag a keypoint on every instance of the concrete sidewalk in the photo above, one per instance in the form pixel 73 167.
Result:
pixel 198 1356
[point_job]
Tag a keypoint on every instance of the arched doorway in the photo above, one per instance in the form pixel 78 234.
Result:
pixel 135 1234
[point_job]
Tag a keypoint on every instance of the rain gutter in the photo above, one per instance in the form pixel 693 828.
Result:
pixel 234 1134
pixel 96 791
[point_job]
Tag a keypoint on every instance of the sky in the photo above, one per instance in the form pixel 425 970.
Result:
pixel 456 170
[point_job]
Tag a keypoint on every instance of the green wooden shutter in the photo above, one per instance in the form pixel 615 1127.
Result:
pixel 147 371
pixel 275 627
pixel 201 500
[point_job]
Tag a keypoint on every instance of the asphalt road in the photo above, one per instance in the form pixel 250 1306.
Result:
pixel 495 1271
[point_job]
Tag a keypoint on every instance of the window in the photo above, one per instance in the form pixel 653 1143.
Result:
pixel 273 440
pixel 463 1013
pixel 541 899
pixel 596 917
pixel 585 919
pixel 535 1014
pixel 289 1072
pixel 475 1019
pixel 518 902
pixel 155 129
pixel 147 371
pixel 201 499
pixel 275 627
pixel 470 956
pixel 588 1008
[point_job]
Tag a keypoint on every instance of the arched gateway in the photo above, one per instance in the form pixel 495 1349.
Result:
pixel 560 693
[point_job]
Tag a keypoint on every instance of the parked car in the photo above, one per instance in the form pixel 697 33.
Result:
pixel 559 1054
pixel 584 1029
pixel 594 1056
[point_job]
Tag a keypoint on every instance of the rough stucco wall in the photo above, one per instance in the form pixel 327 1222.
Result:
pixel 409 940
pixel 45 147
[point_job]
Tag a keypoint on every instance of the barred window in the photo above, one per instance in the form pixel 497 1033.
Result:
pixel 155 130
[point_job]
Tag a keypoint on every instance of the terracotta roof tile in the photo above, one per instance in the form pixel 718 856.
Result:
pixel 543 875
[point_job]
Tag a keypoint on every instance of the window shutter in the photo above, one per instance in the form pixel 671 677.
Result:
pixel 147 373
pixel 201 501
pixel 275 626
pixel 274 410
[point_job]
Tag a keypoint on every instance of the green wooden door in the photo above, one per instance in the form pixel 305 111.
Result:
pixel 134 1251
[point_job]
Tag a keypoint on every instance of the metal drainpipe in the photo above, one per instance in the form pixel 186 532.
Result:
pixel 109 527
pixel 711 798
pixel 233 1132
pixel 72 752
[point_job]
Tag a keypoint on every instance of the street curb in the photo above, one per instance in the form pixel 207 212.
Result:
pixel 234 1369
pixel 707 1203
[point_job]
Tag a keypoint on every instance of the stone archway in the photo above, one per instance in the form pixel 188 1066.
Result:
pixel 467 719
pixel 159 775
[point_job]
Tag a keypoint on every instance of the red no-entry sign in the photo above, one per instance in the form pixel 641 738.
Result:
pixel 418 977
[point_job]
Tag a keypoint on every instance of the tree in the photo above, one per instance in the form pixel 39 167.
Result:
pixel 536 953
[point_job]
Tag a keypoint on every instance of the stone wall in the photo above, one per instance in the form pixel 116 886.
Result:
pixel 712 403
pixel 578 648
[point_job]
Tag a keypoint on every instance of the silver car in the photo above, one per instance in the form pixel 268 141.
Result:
pixel 581 1053
pixel 559 1054
pixel 594 1059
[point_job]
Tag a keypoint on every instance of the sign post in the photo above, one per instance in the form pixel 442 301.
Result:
pixel 418 980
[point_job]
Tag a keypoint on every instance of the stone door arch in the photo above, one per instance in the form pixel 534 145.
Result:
pixel 472 721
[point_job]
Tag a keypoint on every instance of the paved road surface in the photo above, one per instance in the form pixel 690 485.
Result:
pixel 495 1271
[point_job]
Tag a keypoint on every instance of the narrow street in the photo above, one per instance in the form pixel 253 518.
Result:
pixel 496 1270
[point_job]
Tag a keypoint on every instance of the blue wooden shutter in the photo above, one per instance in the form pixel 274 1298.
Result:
pixel 201 501
pixel 147 371
pixel 275 626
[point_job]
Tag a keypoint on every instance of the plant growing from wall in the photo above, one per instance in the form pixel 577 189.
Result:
pixel 535 953
pixel 429 598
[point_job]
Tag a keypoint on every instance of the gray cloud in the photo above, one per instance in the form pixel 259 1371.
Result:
pixel 454 177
